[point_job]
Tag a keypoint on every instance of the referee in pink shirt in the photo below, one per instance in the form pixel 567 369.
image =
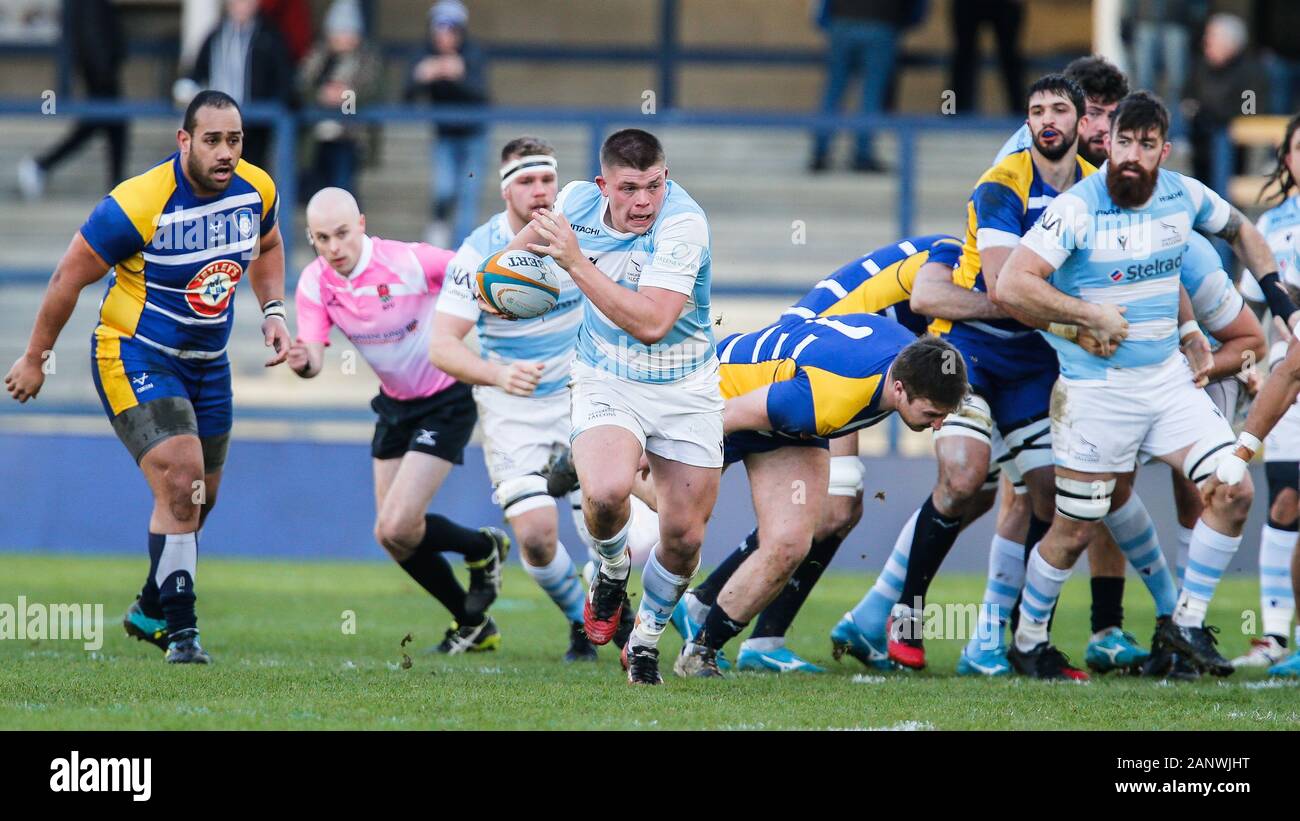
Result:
pixel 381 294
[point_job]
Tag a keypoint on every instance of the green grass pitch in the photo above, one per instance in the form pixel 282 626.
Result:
pixel 283 661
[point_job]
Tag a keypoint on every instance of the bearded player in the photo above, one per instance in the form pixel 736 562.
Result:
pixel 177 239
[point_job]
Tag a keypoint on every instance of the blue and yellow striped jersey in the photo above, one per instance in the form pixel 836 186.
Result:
pixel 1006 202
pixel 879 282
pixel 825 374
pixel 177 257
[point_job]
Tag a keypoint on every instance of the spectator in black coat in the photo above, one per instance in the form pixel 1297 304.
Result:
pixel 246 57
pixel 1216 95
pixel 98 50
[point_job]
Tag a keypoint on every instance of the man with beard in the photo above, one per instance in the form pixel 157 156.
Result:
pixel 1103 86
pixel 178 239
pixel 1011 371
pixel 1113 250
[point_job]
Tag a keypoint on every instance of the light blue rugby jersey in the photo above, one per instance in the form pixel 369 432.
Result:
pixel 674 254
pixel 1019 141
pixel 1130 257
pixel 549 338
pixel 1215 301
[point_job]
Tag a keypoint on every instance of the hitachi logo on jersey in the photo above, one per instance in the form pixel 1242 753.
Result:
pixel 128 775
pixel 584 229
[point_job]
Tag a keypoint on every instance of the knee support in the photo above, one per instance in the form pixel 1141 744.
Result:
pixel 973 419
pixel 1203 458
pixel 1083 501
pixel 522 494
pixel 847 476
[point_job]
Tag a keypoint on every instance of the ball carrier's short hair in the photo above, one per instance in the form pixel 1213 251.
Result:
pixel 526 146
pixel 207 98
pixel 632 148
pixel 931 368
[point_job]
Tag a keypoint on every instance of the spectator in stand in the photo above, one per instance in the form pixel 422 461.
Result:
pixel 98 49
pixel 452 72
pixel 1222 75
pixel 862 38
pixel 1277 31
pixel 343 62
pixel 246 57
pixel 1006 17
pixel 292 18
pixel 1162 39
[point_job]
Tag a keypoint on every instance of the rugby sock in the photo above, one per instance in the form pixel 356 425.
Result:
pixel 718 629
pixel 441 533
pixel 149 593
pixel 777 617
pixel 174 575
pixel 706 592
pixel 933 536
pixel 613 553
pixel 1107 603
pixel 1043 584
pixel 1135 533
pixel 872 612
pixel 643 534
pixel 661 590
pixel 1184 545
pixel 560 581
pixel 433 572
pixel 1277 600
pixel 1207 558
pixel 1006 576
pixel 1037 529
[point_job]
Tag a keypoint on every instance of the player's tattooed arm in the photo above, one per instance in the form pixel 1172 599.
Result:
pixel 1251 247
pixel 1230 231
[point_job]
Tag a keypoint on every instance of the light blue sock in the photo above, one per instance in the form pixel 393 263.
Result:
pixel 1006 577
pixel 1206 560
pixel 613 552
pixel 1135 533
pixel 560 581
pixel 1276 597
pixel 1043 584
pixel 660 592
pixel 872 612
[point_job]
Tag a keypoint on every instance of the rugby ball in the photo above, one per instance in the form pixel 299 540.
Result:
pixel 518 283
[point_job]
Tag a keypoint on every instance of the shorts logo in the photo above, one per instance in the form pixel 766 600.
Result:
pixel 209 291
pixel 141 383
pixel 1085 451
pixel 428 438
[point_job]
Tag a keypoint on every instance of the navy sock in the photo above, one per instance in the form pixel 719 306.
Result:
pixel 149 593
pixel 707 592
pixel 718 629
pixel 933 537
pixel 442 534
pixel 176 592
pixel 433 572
pixel 777 617
pixel 1107 602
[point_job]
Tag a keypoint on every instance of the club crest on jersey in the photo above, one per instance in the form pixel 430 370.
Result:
pixel 385 295
pixel 210 290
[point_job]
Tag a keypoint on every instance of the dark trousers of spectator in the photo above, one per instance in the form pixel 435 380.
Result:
pixel 1006 18
pixel 1202 132
pixel 257 145
pixel 857 47
pixel 334 166
pixel 97 88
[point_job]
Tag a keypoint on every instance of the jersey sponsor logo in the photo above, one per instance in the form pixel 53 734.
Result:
pixel 1169 197
pixel 209 291
pixel 584 229
pixel 1137 271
